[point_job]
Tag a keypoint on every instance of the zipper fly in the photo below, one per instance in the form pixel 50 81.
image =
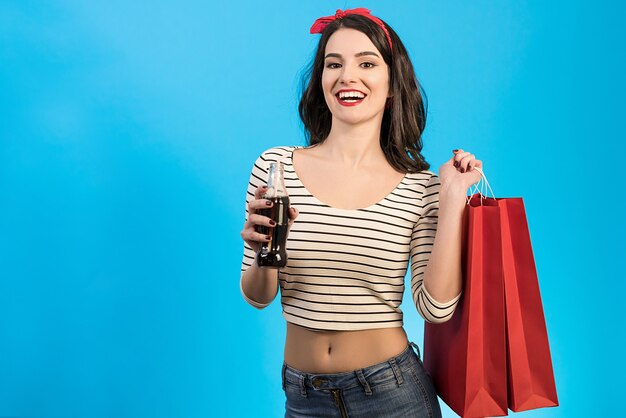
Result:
pixel 339 402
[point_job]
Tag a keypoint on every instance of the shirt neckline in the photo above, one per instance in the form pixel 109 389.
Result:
pixel 333 207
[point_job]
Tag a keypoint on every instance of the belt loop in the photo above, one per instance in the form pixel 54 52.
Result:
pixel 366 386
pixel 302 385
pixel 417 349
pixel 283 374
pixel 396 371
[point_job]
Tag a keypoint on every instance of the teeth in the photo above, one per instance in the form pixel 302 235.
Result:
pixel 351 95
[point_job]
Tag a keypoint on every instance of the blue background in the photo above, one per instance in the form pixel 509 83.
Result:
pixel 127 134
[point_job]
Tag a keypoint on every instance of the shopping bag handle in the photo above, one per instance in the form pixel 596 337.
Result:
pixel 482 191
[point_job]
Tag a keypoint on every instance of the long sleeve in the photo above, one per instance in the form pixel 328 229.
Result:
pixel 422 240
pixel 258 178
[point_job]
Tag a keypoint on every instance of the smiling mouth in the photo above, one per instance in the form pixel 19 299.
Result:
pixel 350 97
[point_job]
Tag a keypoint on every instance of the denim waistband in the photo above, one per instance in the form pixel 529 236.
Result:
pixel 345 380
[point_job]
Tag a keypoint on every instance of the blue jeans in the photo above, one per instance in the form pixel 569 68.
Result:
pixel 398 387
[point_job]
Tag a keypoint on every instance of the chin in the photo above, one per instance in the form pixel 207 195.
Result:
pixel 356 118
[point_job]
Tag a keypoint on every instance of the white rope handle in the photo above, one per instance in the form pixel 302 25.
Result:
pixel 482 191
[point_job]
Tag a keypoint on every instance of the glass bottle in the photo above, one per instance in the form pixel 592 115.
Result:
pixel 273 254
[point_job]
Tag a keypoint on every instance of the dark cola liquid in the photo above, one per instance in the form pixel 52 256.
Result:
pixel 273 253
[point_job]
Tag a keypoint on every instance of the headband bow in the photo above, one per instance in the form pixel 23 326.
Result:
pixel 320 24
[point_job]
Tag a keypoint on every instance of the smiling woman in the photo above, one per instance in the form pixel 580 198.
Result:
pixel 364 206
pixel 402 125
pixel 354 77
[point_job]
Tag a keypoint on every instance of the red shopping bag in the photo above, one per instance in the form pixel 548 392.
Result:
pixel 466 356
pixel 530 376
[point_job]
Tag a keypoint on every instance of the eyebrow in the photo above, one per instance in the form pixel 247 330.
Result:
pixel 360 54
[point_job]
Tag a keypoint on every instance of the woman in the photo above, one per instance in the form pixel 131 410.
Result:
pixel 363 205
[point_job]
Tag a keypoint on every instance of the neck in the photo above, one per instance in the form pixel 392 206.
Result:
pixel 355 145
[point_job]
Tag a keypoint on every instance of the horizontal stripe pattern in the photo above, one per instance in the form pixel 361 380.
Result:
pixel 346 268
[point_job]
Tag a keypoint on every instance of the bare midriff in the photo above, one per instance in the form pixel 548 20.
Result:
pixel 314 351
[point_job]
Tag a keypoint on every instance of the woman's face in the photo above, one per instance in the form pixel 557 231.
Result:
pixel 355 78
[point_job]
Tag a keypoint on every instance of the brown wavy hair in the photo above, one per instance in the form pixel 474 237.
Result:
pixel 404 119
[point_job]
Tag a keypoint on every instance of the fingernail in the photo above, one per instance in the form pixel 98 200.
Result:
pixel 272 222
pixel 455 150
pixel 268 203
pixel 456 163
pixel 268 237
pixel 462 170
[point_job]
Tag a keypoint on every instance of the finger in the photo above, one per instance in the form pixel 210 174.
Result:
pixel 254 237
pixel 473 164
pixel 260 237
pixel 458 157
pixel 251 236
pixel 258 233
pixel 465 161
pixel 250 226
pixel 259 204
pixel 260 191
pixel 293 214
pixel 257 219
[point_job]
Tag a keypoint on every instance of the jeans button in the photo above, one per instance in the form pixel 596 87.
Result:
pixel 317 383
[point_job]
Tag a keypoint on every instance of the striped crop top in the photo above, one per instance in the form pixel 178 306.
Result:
pixel 345 268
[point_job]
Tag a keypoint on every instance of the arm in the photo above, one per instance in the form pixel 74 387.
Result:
pixel 442 276
pixel 436 254
pixel 258 286
pixel 437 287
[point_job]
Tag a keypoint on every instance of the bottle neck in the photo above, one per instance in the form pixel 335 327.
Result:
pixel 276 181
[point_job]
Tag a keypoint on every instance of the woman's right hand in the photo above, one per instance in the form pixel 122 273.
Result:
pixel 249 232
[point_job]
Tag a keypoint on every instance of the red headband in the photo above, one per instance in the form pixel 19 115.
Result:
pixel 320 24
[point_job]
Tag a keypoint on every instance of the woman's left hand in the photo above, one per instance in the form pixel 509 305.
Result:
pixel 459 170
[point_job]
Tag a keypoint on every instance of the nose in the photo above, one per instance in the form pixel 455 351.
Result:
pixel 347 75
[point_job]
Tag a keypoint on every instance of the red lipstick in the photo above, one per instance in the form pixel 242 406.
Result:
pixel 352 102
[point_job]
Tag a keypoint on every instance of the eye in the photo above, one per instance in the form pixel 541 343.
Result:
pixel 333 65
pixel 368 65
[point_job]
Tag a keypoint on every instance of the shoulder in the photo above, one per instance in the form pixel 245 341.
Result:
pixel 423 179
pixel 424 184
pixel 278 153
